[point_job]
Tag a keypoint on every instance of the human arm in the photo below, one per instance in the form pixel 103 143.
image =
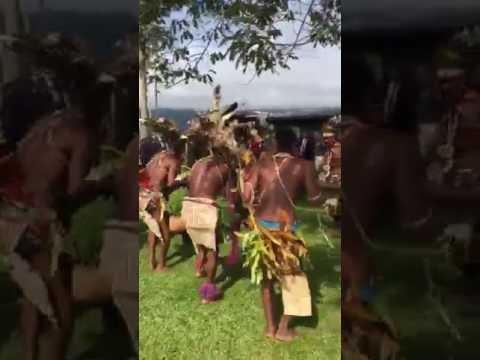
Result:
pixel 250 181
pixel 315 195
pixel 173 171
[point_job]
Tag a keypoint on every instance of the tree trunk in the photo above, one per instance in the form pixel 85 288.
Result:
pixel 142 89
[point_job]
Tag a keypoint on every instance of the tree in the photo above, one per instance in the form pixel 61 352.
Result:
pixel 249 33
pixel 179 36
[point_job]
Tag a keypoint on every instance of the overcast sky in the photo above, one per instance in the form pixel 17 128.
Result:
pixel 313 81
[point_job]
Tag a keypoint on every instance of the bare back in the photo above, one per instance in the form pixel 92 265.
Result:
pixel 208 179
pixel 380 166
pixel 279 182
pixel 55 156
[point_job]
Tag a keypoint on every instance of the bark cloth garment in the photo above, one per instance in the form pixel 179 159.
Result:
pixel 296 297
pixel 119 260
pixel 150 200
pixel 26 231
pixel 201 216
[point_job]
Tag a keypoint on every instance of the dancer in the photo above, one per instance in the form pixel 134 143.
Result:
pixel 210 178
pixel 278 181
pixel 38 185
pixel 157 180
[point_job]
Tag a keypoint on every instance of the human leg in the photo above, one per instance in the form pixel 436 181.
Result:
pixel 268 307
pixel 164 244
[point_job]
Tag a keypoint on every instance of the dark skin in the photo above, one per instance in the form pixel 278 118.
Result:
pixel 378 154
pixel 384 168
pixel 162 170
pixel 55 157
pixel 298 176
pixel 209 179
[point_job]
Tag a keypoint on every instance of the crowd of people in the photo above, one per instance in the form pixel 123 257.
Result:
pixel 408 145
pixel 50 151
pixel 49 166
pixel 262 174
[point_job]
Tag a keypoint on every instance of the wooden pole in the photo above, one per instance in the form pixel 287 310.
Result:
pixel 142 88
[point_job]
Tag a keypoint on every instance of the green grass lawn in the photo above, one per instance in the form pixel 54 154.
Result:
pixel 403 296
pixel 174 325
pixel 91 340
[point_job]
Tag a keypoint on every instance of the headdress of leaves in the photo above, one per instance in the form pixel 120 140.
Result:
pixel 166 129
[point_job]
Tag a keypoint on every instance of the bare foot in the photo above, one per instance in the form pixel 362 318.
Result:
pixel 160 269
pixel 153 265
pixel 270 333
pixel 206 302
pixel 286 336
pixel 211 301
pixel 201 274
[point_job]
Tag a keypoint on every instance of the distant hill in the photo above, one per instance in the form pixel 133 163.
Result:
pixel 181 116
pixel 102 30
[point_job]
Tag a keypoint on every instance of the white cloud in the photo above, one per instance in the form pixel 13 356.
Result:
pixel 313 81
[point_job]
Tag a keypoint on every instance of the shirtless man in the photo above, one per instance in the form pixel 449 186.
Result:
pixel 382 168
pixel 279 181
pixel 43 176
pixel 161 172
pixel 209 179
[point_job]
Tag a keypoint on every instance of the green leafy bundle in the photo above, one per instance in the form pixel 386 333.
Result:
pixel 271 253
pixel 175 201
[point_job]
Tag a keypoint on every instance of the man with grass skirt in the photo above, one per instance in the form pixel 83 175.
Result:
pixel 270 187
pixel 210 178
pixel 38 181
pixel 39 188
pixel 156 181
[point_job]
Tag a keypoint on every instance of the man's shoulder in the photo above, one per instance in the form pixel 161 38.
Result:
pixel 304 163
pixel 200 163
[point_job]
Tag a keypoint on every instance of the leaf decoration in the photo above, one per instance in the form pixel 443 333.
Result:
pixel 271 253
